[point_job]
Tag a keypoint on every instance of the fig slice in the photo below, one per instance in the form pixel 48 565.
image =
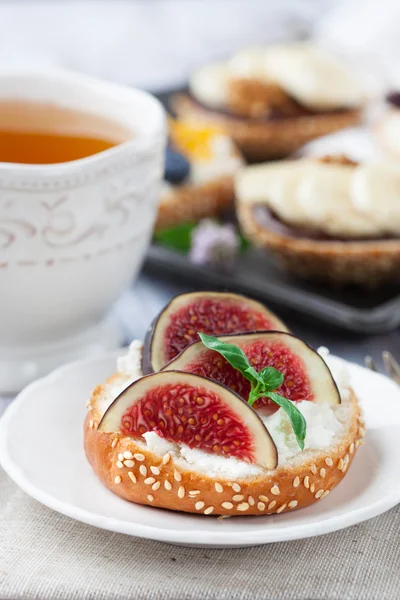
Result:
pixel 214 313
pixel 307 376
pixel 189 409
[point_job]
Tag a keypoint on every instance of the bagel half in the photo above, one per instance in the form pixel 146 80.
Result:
pixel 128 468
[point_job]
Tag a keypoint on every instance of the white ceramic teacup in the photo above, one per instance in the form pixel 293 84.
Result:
pixel 73 235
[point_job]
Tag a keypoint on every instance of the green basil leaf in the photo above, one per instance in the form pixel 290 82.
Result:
pixel 296 418
pixel 272 378
pixel 234 355
pixel 254 375
pixel 244 242
pixel 178 238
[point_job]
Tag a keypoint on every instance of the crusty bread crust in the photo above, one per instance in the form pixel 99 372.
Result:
pixel 188 203
pixel 263 140
pixel 138 475
pixel 368 263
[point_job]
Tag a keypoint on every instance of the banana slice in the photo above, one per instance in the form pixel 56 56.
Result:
pixel 316 79
pixel 324 195
pixel 375 192
pixel 274 185
pixel 389 134
pixel 209 84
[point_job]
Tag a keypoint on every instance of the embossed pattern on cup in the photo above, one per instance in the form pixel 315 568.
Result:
pixel 73 235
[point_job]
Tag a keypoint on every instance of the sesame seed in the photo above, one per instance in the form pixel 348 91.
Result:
pixel 209 510
pixel 129 463
pixel 251 500
pixel 361 432
pixel 166 458
pixel 271 504
pixel 275 490
pixel 218 488
pixel 340 464
pixel 91 424
pixel 263 498
pixel 322 472
pixel 242 507
pixel 296 482
pixel 345 465
pixel 181 492
pixel 312 488
pixel 346 459
pixel 227 505
pixel 167 485
pixel 357 443
pixel 120 465
pixel 155 470
pixel 306 481
pixel 149 481
pixel 194 492
pixel 261 506
pixel 236 487
pixel 221 517
pixel 281 508
pixel 177 476
pixel 117 479
pixel 127 454
pixel 293 504
pixel 95 424
pixel 120 456
pixel 199 505
pixel 139 457
pixel 143 470
pixel 237 497
pixel 326 492
pixel 319 493
pixel 329 462
pixel 114 442
pixel 132 476
pixel 156 485
pixel 351 448
pixel 150 498
pixel 313 469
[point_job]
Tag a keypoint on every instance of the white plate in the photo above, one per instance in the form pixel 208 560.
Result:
pixel 41 448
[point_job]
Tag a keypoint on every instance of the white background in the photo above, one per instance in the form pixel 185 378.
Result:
pixel 155 43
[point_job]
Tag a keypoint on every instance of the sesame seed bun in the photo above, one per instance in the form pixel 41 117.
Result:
pixel 133 472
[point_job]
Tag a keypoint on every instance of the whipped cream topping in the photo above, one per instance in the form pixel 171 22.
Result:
pixel 224 160
pixel 338 200
pixel 324 422
pixel 313 77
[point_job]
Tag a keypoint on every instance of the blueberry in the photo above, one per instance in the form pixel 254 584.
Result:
pixel 394 99
pixel 177 167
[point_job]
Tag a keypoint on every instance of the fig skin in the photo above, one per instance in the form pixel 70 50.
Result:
pixel 264 450
pixel 151 364
pixel 297 346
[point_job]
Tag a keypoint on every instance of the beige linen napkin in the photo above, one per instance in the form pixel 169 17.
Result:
pixel 46 556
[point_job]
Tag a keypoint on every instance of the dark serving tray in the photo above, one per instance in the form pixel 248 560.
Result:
pixel 363 311
pixel 354 309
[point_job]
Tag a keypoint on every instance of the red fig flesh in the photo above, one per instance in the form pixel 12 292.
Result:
pixel 214 313
pixel 189 409
pixel 306 375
